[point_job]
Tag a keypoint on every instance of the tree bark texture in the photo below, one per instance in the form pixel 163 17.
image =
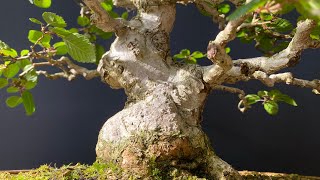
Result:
pixel 160 124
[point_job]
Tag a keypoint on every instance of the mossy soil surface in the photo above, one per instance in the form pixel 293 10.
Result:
pixel 110 171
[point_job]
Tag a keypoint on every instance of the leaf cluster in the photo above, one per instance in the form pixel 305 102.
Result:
pixel 269 100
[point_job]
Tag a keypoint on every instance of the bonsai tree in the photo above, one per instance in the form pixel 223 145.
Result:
pixel 160 126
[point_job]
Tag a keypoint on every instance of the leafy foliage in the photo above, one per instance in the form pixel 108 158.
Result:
pixel 186 57
pixel 270 100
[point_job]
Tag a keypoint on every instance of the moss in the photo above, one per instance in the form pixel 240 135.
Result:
pixel 96 171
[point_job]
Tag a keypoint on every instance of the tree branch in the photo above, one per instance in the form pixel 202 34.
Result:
pixel 217 54
pixel 101 18
pixel 70 74
pixel 288 79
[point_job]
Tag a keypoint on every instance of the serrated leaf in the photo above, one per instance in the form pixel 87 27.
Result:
pixel 3 83
pixel 252 99
pixel 42 3
pixel 271 107
pixel 61 48
pixel 35 35
pixel 28 103
pixel 83 20
pixel 54 19
pixel 80 48
pixel 11 70
pixel 251 6
pixel 14 101
pixel 36 21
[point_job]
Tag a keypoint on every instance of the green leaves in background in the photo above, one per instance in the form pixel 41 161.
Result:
pixel 270 100
pixel 41 3
pixel 309 8
pixel 187 57
pixel 250 7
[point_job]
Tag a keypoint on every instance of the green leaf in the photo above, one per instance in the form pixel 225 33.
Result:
pixel 197 54
pixel 14 101
pixel 24 52
pixel 125 15
pixel 179 56
pixel 228 50
pixel 30 74
pixel 99 52
pixel 185 52
pixel 35 35
pixel 80 48
pixel 3 83
pixel 11 70
pixel 61 32
pixel 74 30
pixel 251 6
pixel 287 99
pixel 53 19
pixel 3 45
pixel 223 8
pixel 30 85
pixel 22 63
pixel 282 25
pixel 9 52
pixel 61 48
pixel 12 89
pixel 42 3
pixel 83 20
pixel 28 103
pixel 252 99
pixel 271 107
pixel 36 21
pixel 263 93
pixel 266 16
pixel 106 6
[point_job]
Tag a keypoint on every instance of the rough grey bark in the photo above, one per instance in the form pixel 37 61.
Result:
pixel 161 121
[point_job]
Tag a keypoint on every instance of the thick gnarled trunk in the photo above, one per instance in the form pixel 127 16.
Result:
pixel 160 125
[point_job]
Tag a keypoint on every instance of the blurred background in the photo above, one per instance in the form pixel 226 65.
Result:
pixel 69 115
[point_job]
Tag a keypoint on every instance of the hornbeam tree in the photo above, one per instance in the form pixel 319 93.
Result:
pixel 160 125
